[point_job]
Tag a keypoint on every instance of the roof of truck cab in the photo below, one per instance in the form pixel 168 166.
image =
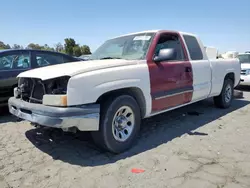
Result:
pixel 135 33
pixel 155 31
pixel 185 33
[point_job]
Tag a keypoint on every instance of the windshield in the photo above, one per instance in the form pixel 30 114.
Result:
pixel 244 58
pixel 131 47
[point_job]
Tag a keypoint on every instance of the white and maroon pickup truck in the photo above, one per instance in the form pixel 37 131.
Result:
pixel 128 78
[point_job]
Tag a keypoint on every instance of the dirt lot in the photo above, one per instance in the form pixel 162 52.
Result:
pixel 176 149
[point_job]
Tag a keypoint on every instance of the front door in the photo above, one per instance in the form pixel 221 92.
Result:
pixel 171 81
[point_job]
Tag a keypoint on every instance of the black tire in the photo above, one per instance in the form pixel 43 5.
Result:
pixel 223 101
pixel 104 138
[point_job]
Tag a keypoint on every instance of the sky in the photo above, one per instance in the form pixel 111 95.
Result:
pixel 219 23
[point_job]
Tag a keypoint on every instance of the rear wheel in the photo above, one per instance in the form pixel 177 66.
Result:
pixel 119 124
pixel 224 100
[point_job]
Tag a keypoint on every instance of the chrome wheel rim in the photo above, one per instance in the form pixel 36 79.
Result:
pixel 228 93
pixel 123 123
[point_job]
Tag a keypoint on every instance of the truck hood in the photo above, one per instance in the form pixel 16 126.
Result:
pixel 74 68
pixel 245 66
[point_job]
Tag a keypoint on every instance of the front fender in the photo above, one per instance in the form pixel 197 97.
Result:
pixel 88 87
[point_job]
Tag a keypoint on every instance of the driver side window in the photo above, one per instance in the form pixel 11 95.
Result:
pixel 170 41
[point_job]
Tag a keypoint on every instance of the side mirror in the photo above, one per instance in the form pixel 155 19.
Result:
pixel 165 55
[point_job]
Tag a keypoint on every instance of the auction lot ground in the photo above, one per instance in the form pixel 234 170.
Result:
pixel 197 146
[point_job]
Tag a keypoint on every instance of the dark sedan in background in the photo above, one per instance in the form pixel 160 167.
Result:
pixel 13 62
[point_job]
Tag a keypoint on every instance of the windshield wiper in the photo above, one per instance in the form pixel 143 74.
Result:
pixel 110 58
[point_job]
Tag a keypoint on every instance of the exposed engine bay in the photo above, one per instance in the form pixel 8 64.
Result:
pixel 32 89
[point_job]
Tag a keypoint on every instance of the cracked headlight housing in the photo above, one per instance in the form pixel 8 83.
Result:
pixel 56 94
pixel 57 86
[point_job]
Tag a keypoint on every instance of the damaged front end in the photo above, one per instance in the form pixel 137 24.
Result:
pixel 35 90
pixel 44 103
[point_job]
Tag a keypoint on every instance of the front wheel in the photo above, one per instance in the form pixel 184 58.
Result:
pixel 224 100
pixel 119 124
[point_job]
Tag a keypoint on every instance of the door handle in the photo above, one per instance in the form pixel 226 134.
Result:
pixel 187 69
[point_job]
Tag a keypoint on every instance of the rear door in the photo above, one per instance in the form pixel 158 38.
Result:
pixel 202 69
pixel 171 81
pixel 12 63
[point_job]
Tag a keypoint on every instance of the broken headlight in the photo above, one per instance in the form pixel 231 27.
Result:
pixel 57 86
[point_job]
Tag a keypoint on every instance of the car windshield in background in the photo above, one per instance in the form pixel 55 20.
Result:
pixel 131 47
pixel 244 58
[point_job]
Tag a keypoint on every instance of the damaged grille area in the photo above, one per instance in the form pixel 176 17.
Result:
pixel 32 89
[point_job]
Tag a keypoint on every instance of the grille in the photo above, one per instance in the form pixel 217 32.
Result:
pixel 243 72
pixel 31 90
pixel 37 92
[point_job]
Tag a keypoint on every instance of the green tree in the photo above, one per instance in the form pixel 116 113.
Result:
pixel 72 48
pixel 69 45
pixel 59 47
pixel 17 46
pixel 77 51
pixel 4 46
pixel 47 47
pixel 85 50
pixel 34 46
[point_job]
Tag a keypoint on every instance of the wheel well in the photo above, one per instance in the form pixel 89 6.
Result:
pixel 135 92
pixel 230 76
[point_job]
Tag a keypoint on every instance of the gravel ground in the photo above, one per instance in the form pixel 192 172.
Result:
pixel 195 146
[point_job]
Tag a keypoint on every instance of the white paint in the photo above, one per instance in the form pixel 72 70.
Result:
pixel 246 81
pixel 220 68
pixel 88 87
pixel 202 75
pixel 246 78
pixel 208 75
pixel 137 33
pixel 245 66
pixel 142 37
pixel 211 52
pixel 73 68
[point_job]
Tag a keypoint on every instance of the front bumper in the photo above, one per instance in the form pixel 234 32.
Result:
pixel 85 117
pixel 244 80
